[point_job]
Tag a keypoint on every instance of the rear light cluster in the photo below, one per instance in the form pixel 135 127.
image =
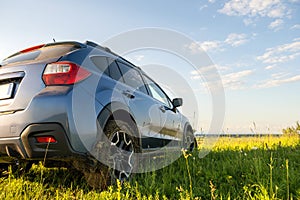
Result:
pixel 64 73
pixel 45 139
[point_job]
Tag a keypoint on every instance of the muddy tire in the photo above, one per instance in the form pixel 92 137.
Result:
pixel 116 155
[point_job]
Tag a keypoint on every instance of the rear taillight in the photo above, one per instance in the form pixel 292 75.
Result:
pixel 45 139
pixel 64 73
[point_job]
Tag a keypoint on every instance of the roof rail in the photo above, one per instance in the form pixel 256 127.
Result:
pixel 106 49
pixel 93 44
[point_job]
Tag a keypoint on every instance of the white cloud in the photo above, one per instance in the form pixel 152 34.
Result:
pixel 211 1
pixel 296 26
pixel 279 75
pixel 203 7
pixel 254 35
pixel 196 74
pixel 233 39
pixel 223 68
pixel 249 21
pixel 210 74
pixel 139 57
pixel 206 46
pixel 238 75
pixel 235 80
pixel 253 8
pixel 136 58
pixel 276 24
pixel 277 12
pixel 236 40
pixel 210 45
pixel 269 67
pixel 278 81
pixel 230 81
pixel 282 53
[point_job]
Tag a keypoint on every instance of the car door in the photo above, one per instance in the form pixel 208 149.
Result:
pixel 170 117
pixel 141 105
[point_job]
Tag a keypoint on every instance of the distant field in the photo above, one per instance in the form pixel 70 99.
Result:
pixel 237 168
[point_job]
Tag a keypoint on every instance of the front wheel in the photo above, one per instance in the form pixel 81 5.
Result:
pixel 190 141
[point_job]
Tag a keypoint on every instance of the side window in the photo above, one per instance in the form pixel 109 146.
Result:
pixel 132 77
pixel 101 62
pixel 114 70
pixel 156 92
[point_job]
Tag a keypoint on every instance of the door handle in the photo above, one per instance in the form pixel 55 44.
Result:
pixel 162 109
pixel 128 94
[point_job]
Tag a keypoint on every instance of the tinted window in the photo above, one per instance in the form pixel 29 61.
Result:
pixel 132 77
pixel 156 92
pixel 101 62
pixel 114 71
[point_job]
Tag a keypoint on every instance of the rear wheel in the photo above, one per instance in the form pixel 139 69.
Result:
pixel 123 155
pixel 116 153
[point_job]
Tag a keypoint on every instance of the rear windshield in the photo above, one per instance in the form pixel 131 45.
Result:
pixel 44 53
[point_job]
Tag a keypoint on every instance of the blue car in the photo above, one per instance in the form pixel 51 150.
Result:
pixel 82 106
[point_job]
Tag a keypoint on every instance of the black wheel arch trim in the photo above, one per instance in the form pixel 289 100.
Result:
pixel 116 111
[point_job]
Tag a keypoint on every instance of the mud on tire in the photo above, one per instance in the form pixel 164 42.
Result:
pixel 115 152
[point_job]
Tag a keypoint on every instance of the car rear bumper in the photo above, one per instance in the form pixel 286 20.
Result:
pixel 57 104
pixel 11 149
pixel 27 147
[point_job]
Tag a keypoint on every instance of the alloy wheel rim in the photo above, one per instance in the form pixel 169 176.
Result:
pixel 122 155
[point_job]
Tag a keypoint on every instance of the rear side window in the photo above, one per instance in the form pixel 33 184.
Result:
pixel 44 53
pixel 101 62
pixel 132 77
pixel 114 71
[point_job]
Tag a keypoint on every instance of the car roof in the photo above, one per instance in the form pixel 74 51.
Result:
pixel 77 45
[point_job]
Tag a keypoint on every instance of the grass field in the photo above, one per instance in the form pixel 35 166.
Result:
pixel 236 168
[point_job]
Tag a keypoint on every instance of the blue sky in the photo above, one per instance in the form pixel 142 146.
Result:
pixel 255 45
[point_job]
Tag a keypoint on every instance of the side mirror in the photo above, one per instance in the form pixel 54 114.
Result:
pixel 177 102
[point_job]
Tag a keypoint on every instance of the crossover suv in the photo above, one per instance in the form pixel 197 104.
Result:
pixel 80 105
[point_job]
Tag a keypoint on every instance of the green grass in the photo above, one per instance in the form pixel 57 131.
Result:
pixel 236 168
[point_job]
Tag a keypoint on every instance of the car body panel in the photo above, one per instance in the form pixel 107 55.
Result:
pixel 80 109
